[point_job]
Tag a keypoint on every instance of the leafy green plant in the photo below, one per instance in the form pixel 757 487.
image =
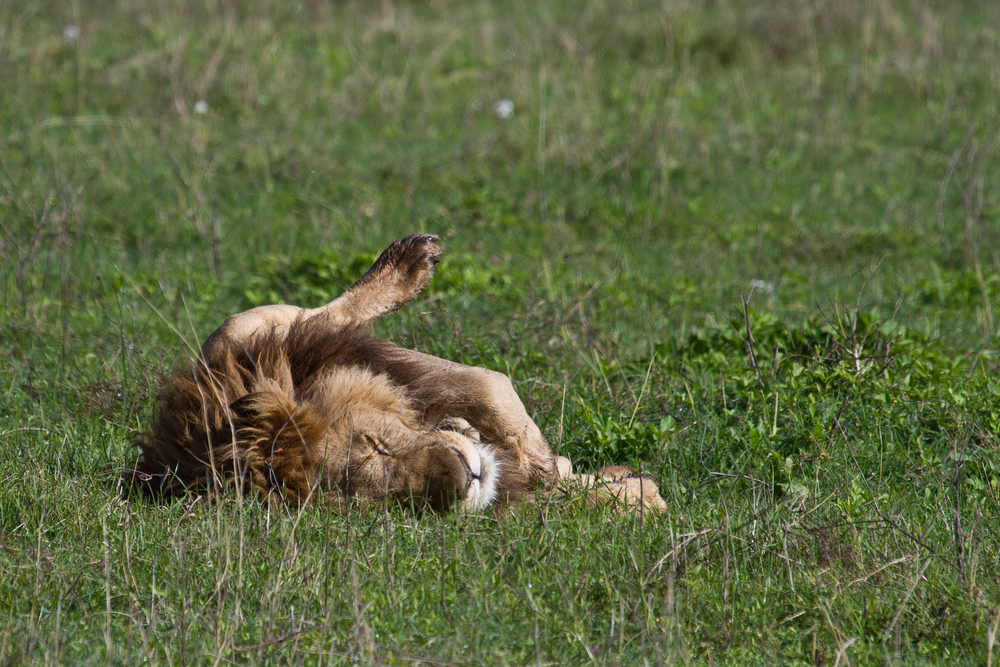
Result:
pixel 610 440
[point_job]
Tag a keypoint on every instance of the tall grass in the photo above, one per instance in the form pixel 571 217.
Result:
pixel 750 247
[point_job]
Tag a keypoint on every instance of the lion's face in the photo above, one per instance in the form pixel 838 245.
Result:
pixel 456 471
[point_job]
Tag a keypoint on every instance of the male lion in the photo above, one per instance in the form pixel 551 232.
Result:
pixel 290 402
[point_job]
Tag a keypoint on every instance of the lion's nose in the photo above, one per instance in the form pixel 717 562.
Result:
pixel 473 470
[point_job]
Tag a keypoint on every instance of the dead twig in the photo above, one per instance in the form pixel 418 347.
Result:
pixel 909 593
pixel 749 341
pixel 688 539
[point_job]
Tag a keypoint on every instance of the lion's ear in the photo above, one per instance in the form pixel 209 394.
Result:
pixel 243 407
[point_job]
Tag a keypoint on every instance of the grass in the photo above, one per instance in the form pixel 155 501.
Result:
pixel 751 247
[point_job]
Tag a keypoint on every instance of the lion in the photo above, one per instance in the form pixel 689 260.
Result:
pixel 292 403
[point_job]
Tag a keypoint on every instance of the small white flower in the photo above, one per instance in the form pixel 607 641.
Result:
pixel 71 32
pixel 201 107
pixel 504 108
pixel 762 285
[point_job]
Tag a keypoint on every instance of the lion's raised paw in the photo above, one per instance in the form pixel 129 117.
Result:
pixel 412 259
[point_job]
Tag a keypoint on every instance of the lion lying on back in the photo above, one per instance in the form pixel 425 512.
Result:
pixel 291 403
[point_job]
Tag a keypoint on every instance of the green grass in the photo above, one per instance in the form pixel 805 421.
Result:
pixel 834 494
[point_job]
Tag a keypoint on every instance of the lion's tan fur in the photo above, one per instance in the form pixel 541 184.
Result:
pixel 290 403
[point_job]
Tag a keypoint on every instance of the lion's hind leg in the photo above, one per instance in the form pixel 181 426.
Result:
pixel 619 487
pixel 397 276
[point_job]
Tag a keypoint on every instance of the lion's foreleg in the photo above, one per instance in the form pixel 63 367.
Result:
pixel 486 400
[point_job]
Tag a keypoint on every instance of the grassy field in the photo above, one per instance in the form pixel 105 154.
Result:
pixel 751 247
